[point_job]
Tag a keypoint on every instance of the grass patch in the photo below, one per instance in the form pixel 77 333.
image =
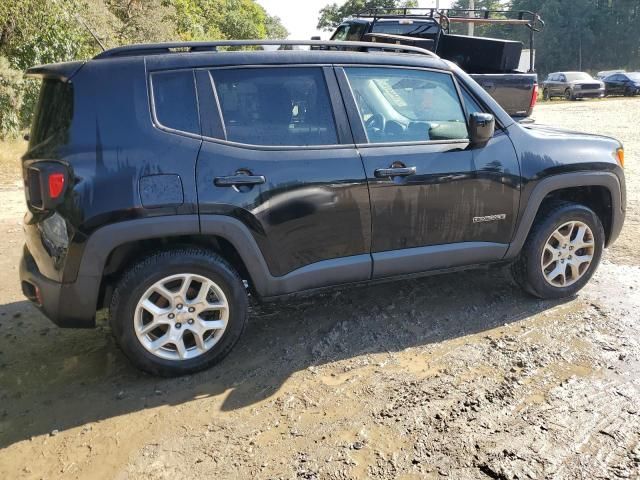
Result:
pixel 10 153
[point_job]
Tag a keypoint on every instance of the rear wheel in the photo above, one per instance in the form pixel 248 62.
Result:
pixel 178 311
pixel 562 251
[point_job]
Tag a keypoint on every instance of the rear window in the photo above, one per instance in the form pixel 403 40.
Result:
pixel 276 106
pixel 174 100
pixel 405 27
pixel 53 114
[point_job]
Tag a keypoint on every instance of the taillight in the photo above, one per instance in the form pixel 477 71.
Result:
pixel 45 184
pixel 56 184
pixel 534 96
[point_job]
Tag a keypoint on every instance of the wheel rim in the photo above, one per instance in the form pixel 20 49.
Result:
pixel 567 254
pixel 181 316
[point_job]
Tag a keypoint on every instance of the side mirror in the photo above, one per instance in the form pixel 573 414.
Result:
pixel 481 128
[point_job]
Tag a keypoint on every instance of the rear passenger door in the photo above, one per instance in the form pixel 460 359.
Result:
pixel 435 201
pixel 279 157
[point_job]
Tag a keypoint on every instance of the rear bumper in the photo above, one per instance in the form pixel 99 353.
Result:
pixel 71 305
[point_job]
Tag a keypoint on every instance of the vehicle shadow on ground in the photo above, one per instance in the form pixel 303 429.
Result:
pixel 55 379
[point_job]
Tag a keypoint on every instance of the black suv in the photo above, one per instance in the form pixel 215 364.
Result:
pixel 165 182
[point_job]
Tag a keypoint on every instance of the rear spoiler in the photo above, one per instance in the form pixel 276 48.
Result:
pixel 57 71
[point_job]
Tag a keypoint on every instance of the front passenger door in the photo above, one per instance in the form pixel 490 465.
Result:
pixel 435 202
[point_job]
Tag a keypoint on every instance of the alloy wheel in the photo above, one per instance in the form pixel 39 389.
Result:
pixel 181 316
pixel 567 254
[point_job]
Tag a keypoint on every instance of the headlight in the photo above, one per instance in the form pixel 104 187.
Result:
pixel 577 87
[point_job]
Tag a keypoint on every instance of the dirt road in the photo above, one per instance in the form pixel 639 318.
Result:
pixel 459 376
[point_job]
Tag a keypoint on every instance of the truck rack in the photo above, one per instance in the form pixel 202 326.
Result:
pixel 445 16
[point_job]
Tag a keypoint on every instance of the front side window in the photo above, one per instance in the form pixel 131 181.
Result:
pixel 276 106
pixel 174 99
pixel 405 105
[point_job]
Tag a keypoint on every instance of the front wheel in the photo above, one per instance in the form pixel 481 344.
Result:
pixel 568 95
pixel 545 94
pixel 178 311
pixel 562 251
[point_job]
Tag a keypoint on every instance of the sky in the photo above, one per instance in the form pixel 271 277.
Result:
pixel 300 17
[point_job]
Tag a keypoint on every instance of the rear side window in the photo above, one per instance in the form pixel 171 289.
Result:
pixel 276 106
pixel 174 100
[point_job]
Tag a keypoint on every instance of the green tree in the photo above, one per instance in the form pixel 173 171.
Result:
pixel 332 15
pixel 11 93
pixel 219 19
pixel 40 31
pixel 588 35
pixel 275 28
pixel 140 21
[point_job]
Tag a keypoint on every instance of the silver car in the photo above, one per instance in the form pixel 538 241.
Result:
pixel 571 86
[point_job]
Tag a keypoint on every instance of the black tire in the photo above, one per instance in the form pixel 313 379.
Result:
pixel 135 282
pixel 568 95
pixel 527 270
pixel 545 94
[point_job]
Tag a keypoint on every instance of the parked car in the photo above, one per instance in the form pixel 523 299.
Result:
pixel 166 182
pixel 605 73
pixel 571 86
pixel 490 62
pixel 627 84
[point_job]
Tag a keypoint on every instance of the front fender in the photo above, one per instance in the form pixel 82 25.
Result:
pixel 553 183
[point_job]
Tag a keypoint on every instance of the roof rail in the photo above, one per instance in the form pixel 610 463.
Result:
pixel 194 47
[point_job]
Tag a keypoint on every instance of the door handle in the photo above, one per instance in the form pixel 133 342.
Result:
pixel 239 180
pixel 394 172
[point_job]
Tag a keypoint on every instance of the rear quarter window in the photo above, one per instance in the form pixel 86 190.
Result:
pixel 174 101
pixel 53 114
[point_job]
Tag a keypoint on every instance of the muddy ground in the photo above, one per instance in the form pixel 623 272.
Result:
pixel 459 376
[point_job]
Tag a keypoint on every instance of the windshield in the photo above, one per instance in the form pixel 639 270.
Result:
pixel 351 32
pixel 573 76
pixel 635 76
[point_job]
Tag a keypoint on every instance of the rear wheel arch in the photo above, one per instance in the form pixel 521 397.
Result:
pixel 111 247
pixel 128 253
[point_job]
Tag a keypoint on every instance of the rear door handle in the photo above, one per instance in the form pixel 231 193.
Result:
pixel 238 180
pixel 394 172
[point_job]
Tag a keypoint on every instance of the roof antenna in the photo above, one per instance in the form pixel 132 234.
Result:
pixel 82 22
pixel 95 37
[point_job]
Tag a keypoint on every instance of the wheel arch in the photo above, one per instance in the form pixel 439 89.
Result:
pixel 600 191
pixel 110 249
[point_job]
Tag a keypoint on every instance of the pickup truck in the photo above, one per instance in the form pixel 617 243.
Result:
pixel 490 62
